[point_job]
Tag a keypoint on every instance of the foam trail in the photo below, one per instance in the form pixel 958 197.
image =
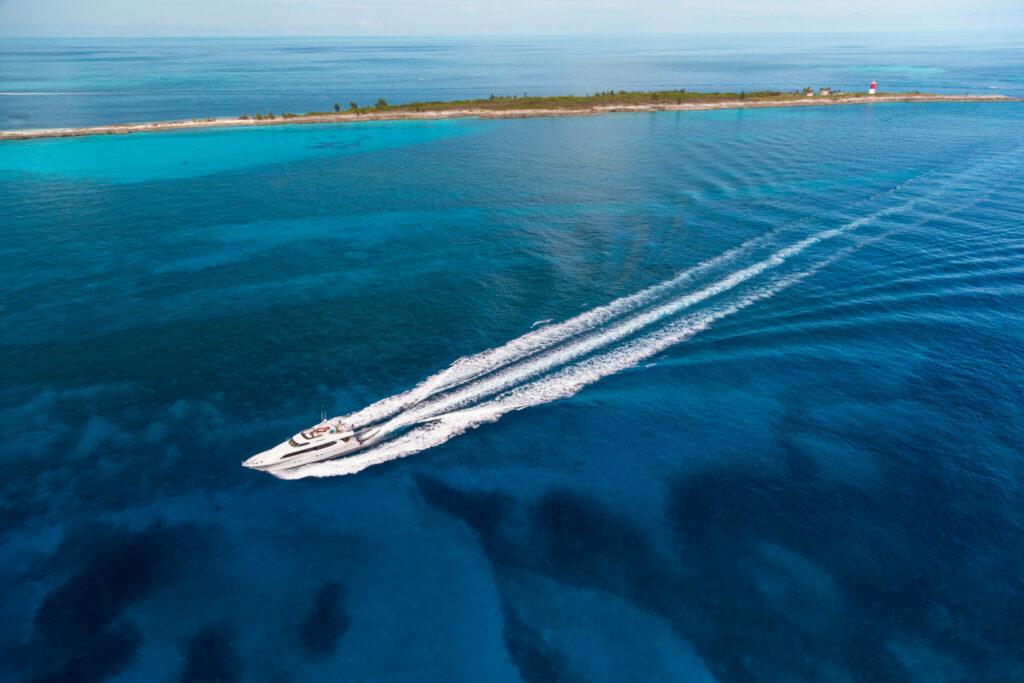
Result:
pixel 471 367
pixel 561 372
pixel 562 384
pixel 556 386
pixel 558 357
pixel 476 365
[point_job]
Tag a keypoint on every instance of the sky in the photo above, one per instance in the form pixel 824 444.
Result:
pixel 494 17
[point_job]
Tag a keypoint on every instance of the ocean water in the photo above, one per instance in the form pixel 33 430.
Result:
pixel 739 398
pixel 47 83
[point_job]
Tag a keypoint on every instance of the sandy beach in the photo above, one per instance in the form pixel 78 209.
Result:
pixel 121 129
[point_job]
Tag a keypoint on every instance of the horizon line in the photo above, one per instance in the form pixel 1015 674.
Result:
pixel 865 32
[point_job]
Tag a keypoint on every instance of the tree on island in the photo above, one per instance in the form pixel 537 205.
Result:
pixel 337 107
pixel 381 102
pixel 353 105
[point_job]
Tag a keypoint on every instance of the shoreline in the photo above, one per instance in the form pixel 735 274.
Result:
pixel 482 113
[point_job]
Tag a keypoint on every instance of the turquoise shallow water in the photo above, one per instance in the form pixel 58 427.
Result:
pixel 799 458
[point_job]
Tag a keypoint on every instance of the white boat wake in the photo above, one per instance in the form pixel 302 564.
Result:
pixel 555 361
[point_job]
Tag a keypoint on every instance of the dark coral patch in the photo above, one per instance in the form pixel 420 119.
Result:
pixel 77 632
pixel 714 604
pixel 481 510
pixel 123 569
pixel 536 661
pixel 212 657
pixel 327 621
pixel 585 543
pixel 109 653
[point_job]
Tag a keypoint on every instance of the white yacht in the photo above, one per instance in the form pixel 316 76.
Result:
pixel 329 439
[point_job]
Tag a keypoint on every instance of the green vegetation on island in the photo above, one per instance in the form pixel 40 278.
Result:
pixel 607 99
pixel 511 106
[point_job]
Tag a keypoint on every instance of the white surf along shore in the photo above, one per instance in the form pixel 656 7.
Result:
pixel 401 115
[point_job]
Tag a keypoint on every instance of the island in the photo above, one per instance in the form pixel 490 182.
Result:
pixel 516 106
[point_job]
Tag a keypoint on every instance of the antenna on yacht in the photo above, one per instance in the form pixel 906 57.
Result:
pixel 323 411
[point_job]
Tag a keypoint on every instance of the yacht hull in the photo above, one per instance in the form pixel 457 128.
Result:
pixel 305 459
pixel 306 448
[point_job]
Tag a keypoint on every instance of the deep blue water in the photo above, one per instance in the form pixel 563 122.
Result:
pixel 46 83
pixel 797 458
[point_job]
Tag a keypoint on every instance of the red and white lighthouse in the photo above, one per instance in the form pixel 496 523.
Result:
pixel 871 90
